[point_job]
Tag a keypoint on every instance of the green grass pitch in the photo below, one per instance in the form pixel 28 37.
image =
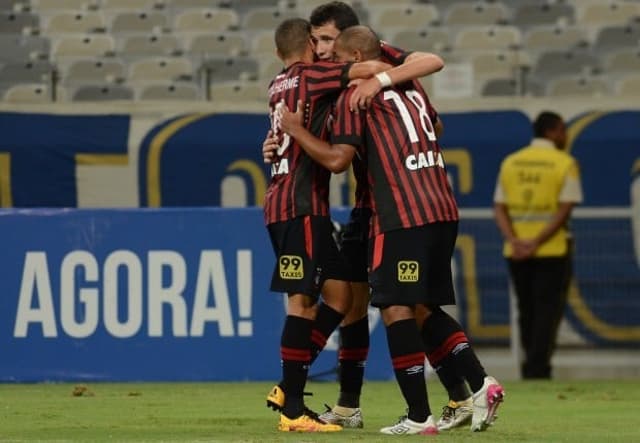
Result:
pixel 556 411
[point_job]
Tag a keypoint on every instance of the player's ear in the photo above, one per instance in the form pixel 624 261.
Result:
pixel 357 55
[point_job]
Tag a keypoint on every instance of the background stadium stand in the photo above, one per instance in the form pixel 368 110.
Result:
pixel 204 49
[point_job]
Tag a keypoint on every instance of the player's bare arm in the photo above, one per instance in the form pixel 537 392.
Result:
pixel 335 158
pixel 416 65
pixel 367 69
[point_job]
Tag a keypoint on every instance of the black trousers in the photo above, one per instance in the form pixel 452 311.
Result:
pixel 541 286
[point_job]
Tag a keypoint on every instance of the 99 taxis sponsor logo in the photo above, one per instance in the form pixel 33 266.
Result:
pixel 290 267
pixel 408 271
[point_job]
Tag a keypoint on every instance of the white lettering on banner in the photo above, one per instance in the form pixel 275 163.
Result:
pixel 131 263
pixel 88 298
pixel 35 281
pixel 85 294
pixel 171 295
pixel 211 272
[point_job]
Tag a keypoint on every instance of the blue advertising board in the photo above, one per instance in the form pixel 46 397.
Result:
pixel 182 294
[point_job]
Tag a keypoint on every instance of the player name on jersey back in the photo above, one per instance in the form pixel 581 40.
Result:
pixel 284 84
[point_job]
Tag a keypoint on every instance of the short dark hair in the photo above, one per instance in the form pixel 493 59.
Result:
pixel 340 13
pixel 546 121
pixel 292 36
pixel 362 38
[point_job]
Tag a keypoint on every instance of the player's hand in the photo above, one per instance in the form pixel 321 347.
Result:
pixel 269 147
pixel 364 93
pixel 291 121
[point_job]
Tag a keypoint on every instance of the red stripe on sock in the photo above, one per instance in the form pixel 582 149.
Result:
pixel 319 339
pixel 358 354
pixel 445 349
pixel 303 355
pixel 406 361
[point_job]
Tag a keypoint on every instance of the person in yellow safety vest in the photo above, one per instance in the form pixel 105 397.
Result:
pixel 537 188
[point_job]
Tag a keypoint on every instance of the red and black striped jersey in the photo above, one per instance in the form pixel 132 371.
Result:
pixel 394 56
pixel 299 185
pixel 405 167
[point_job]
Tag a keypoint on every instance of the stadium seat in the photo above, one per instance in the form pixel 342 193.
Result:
pixel 129 5
pixel 607 13
pixel 206 20
pixel 623 61
pixel 476 14
pixel 28 93
pixel 444 5
pixel 577 86
pixel 75 22
pixel 431 39
pixel 616 37
pixel 265 18
pixel 94 71
pixel 225 44
pixel 8 5
pixel 488 38
pixel 147 45
pixel 406 16
pixel 170 91
pixel 178 5
pixel 558 63
pixel 18 22
pixel 499 64
pixel 545 13
pixel 244 6
pixel 94 93
pixel 628 86
pixel 237 91
pixel 502 87
pixel 38 71
pixel 93 45
pixel 15 47
pixel 542 38
pixel 269 67
pixel 230 68
pixel 263 43
pixel 161 68
pixel 53 6
pixel 138 22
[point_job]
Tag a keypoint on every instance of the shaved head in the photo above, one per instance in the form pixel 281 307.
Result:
pixel 359 38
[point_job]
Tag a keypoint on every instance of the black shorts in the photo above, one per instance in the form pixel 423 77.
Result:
pixel 413 266
pixel 306 255
pixel 354 244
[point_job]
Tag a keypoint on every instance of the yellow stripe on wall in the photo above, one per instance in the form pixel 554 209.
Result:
pixel 156 146
pixel 102 159
pixel 6 201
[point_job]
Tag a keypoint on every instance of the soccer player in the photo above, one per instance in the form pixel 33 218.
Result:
pixel 297 217
pixel 327 21
pixel 413 227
